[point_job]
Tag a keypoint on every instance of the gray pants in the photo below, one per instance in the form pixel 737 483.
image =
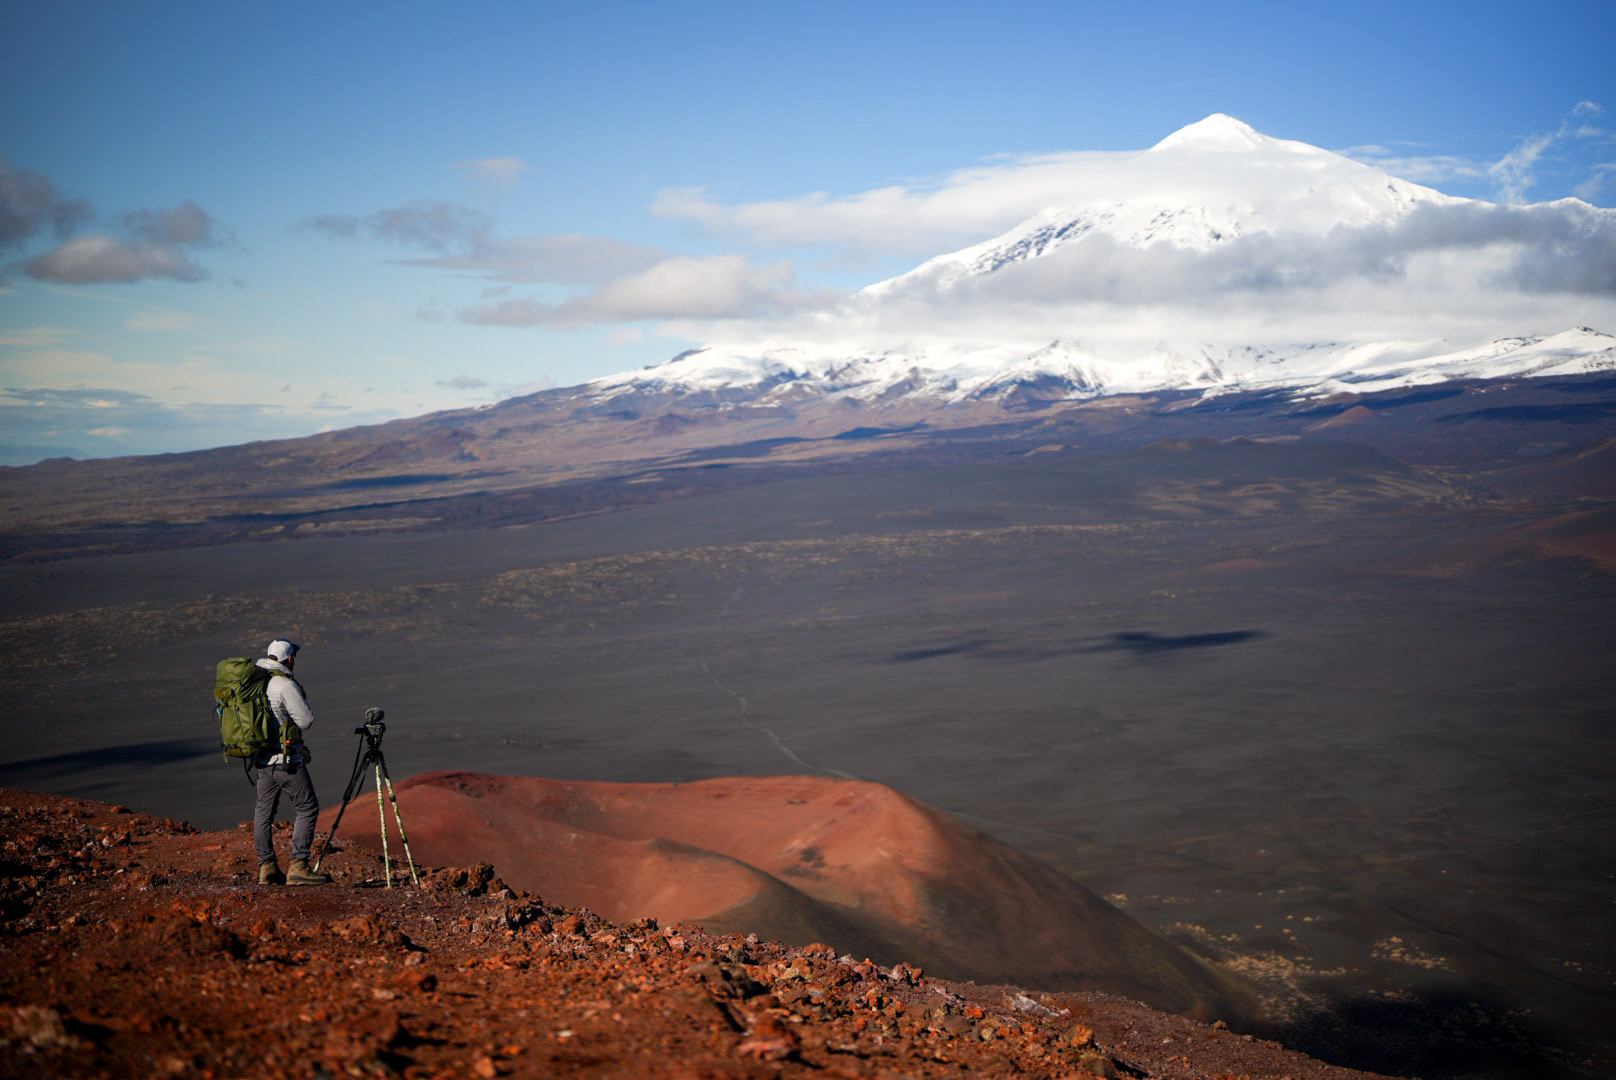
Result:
pixel 294 781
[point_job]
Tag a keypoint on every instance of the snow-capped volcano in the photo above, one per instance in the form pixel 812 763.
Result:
pixel 1064 371
pixel 1316 191
pixel 1218 259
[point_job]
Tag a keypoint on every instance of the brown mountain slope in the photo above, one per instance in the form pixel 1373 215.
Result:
pixel 556 449
pixel 803 859
pixel 1584 470
pixel 134 946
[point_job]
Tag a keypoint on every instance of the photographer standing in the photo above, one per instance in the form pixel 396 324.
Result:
pixel 286 771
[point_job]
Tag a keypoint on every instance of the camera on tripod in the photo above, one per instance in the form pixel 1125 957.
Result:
pixel 373 728
pixel 369 755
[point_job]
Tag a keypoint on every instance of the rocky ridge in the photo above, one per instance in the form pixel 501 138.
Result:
pixel 138 946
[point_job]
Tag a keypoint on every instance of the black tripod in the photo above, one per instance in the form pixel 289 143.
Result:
pixel 370 753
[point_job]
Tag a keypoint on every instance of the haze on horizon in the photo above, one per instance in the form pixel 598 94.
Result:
pixel 218 226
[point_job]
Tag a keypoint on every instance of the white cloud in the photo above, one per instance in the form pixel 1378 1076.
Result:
pixel 715 286
pixel 161 321
pixel 195 380
pixel 498 171
pixel 155 248
pixel 424 223
pixel 1420 168
pixel 186 225
pixel 506 390
pixel 45 364
pixel 96 422
pixel 36 336
pixel 1324 266
pixel 1514 172
pixel 1599 182
pixel 683 287
pixel 30 203
pixel 260 346
pixel 917 219
pixel 82 294
pixel 57 402
pixel 924 218
pixel 1463 270
pixel 914 220
pixel 97 259
pixel 572 259
pixel 433 224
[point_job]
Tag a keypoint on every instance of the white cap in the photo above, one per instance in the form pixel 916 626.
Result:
pixel 282 650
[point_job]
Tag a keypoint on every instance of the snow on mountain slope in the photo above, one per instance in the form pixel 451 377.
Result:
pixel 1215 216
pixel 1064 371
pixel 1581 351
pixel 1202 186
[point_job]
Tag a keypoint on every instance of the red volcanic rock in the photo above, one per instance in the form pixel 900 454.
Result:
pixel 317 982
pixel 1358 414
pixel 802 859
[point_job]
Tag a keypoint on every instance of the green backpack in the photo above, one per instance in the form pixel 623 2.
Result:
pixel 241 705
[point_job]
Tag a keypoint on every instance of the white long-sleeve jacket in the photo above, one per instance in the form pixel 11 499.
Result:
pixel 288 704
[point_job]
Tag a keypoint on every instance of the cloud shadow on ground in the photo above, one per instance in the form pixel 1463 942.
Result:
pixel 1138 642
pixel 160 752
pixel 1149 643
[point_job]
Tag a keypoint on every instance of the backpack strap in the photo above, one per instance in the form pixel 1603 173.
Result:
pixel 291 734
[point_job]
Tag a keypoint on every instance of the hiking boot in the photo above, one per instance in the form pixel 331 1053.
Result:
pixel 269 873
pixel 300 874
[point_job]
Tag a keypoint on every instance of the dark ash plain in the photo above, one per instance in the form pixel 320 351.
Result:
pixel 1339 720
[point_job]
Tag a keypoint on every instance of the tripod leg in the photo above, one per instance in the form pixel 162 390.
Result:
pixel 355 781
pixel 399 816
pixel 381 812
pixel 326 844
pixel 348 794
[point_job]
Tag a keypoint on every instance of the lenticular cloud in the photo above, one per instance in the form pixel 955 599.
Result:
pixel 1217 234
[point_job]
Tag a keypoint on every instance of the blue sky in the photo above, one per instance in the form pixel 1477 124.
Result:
pixel 226 222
